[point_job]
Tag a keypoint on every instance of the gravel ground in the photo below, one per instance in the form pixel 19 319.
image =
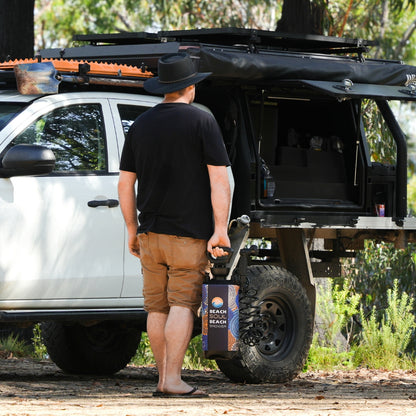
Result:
pixel 29 387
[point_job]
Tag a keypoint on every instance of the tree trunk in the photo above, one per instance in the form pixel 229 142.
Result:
pixel 17 29
pixel 301 16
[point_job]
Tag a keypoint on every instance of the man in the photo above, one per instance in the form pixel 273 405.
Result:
pixel 176 153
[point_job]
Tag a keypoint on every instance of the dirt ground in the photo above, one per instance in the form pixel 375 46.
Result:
pixel 29 387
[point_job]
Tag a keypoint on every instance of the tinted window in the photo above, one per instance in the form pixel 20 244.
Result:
pixel 76 136
pixel 129 113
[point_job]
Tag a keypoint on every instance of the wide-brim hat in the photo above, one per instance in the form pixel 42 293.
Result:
pixel 175 72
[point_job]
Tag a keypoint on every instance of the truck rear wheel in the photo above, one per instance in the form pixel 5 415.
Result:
pixel 104 348
pixel 284 328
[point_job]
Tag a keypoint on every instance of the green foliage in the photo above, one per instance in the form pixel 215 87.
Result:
pixel 380 140
pixel 39 349
pixel 390 22
pixel 336 307
pixel 384 341
pixel 13 346
pixel 373 272
pixel 194 358
pixel 328 358
pixel 17 347
pixel 57 20
pixel 144 355
pixel 411 198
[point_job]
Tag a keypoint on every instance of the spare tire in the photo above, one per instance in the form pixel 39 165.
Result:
pixel 283 320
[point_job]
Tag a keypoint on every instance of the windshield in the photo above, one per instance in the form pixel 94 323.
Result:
pixel 9 111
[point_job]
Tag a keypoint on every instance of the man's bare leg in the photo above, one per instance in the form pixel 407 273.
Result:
pixel 156 323
pixel 178 333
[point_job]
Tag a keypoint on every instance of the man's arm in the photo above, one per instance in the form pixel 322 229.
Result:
pixel 220 200
pixel 127 197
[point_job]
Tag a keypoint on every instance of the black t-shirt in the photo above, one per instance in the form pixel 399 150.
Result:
pixel 169 147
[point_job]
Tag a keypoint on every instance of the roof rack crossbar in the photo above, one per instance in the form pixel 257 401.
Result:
pixel 232 36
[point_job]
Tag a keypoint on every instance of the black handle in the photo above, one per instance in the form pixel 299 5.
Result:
pixel 222 259
pixel 110 203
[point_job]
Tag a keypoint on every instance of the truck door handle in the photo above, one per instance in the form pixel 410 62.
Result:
pixel 110 203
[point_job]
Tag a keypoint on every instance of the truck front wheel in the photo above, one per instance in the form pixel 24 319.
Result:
pixel 104 348
pixel 278 347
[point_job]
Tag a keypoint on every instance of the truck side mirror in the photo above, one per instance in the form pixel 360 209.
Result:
pixel 27 160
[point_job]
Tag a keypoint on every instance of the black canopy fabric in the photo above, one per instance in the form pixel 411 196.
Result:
pixel 236 65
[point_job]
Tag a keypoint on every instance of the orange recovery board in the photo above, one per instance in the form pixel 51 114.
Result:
pixel 34 77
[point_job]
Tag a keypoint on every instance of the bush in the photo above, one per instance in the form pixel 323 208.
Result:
pixel 144 355
pixel 194 358
pixel 12 346
pixel 328 358
pixel 383 342
pixel 336 307
pixel 375 269
pixel 330 347
pixel 39 348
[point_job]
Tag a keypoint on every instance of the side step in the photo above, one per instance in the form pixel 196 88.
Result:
pixel 72 315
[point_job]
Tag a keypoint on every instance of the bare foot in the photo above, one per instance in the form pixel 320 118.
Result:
pixel 194 392
pixel 181 388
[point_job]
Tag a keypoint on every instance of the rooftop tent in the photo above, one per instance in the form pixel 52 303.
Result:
pixel 289 66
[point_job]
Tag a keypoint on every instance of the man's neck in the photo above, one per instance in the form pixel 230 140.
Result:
pixel 175 100
pixel 186 97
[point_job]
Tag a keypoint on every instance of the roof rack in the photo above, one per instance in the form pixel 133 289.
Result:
pixel 122 38
pixel 243 56
pixel 236 36
pixel 143 55
pixel 144 49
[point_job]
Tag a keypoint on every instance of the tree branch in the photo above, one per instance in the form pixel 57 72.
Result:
pixel 344 21
pixel 124 21
pixel 405 38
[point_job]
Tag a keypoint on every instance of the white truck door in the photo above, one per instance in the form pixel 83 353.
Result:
pixel 62 243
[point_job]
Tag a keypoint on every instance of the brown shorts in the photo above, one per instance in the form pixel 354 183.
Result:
pixel 173 271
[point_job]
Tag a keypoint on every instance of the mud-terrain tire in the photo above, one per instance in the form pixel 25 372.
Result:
pixel 287 328
pixel 101 349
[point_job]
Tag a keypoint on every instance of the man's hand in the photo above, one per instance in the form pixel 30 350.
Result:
pixel 134 246
pixel 218 239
